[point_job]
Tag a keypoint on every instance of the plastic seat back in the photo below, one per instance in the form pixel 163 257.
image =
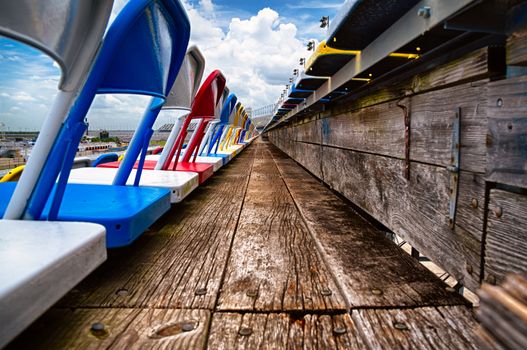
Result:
pixel 203 107
pixel 188 81
pixel 182 94
pixel 70 32
pixel 141 54
pixel 226 111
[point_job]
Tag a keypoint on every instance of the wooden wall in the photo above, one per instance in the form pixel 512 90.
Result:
pixel 358 148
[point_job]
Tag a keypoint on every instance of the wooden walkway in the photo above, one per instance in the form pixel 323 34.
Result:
pixel 261 256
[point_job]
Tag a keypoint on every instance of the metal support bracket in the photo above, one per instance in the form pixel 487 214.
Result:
pixel 406 111
pixel 453 168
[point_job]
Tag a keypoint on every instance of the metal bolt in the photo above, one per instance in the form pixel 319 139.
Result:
pixel 339 330
pixel 201 291
pixel 326 292
pixel 376 291
pixel 98 329
pixel 474 203
pixel 469 268
pixel 400 326
pixel 245 331
pixel 252 293
pixel 498 212
pixel 499 102
pixel 424 12
pixel 491 279
pixel 122 292
pixel 187 327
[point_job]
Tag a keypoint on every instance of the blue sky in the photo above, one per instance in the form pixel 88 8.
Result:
pixel 255 43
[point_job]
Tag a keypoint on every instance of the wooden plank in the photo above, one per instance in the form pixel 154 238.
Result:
pixel 123 329
pixel 517 49
pixel 380 129
pixel 506 140
pixel 180 263
pixel 506 242
pixel 517 40
pixel 446 327
pixel 416 209
pixel 423 328
pixel 274 264
pixel 282 331
pixel 503 313
pixel 479 64
pixel 309 131
pixel 371 269
pixel 309 155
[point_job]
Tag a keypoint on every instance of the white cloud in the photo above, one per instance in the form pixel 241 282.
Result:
pixel 316 5
pixel 207 6
pixel 257 55
pixel 21 96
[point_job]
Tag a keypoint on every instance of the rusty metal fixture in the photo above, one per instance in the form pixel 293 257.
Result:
pixel 99 330
pixel 187 327
pixel 491 279
pixel 339 330
pixel 376 291
pixel 406 112
pixel 201 291
pixel 326 292
pixel 474 203
pixel 122 292
pixel 245 331
pixel 252 293
pixel 498 211
pixel 400 326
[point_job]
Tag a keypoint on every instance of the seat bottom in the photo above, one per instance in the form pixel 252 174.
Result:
pixel 204 170
pixel 125 211
pixel 40 261
pixel 179 183
pixel 216 163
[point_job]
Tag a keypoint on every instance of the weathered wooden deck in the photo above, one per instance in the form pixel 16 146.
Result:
pixel 262 255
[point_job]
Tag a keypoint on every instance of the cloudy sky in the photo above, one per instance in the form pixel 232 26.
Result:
pixel 256 44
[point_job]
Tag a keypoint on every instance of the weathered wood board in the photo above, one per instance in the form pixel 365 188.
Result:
pixel 487 62
pixel 422 328
pixel 415 209
pixel 380 129
pixel 274 264
pixel 281 331
pixel 507 134
pixel 503 314
pixel 372 270
pixel 123 329
pixel 180 264
pixel 506 243
pixel 517 40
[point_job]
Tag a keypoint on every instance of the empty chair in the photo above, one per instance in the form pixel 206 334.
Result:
pixel 232 138
pixel 41 261
pixel 181 183
pixel 202 111
pixel 220 131
pixel 203 108
pixel 141 53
